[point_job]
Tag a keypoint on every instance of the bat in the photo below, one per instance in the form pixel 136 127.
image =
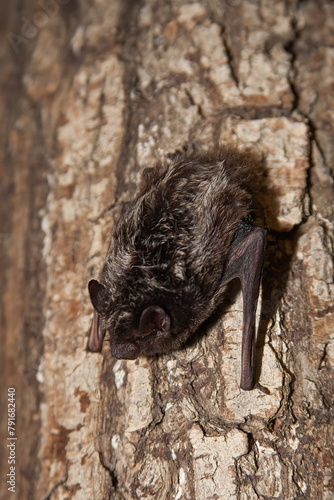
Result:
pixel 188 232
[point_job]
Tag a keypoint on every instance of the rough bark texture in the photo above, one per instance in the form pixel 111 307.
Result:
pixel 91 93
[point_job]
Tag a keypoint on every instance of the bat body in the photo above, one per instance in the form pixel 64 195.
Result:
pixel 188 232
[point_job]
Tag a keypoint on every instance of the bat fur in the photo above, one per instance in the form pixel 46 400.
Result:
pixel 164 271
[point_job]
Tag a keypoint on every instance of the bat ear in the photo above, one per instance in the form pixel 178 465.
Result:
pixel 153 317
pixel 97 294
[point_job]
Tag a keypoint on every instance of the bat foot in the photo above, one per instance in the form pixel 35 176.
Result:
pixel 261 388
pixel 249 386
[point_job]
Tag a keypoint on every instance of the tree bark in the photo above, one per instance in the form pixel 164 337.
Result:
pixel 92 93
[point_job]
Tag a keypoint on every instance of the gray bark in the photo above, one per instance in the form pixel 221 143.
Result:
pixel 92 93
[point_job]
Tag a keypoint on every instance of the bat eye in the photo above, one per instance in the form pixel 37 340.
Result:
pixel 144 334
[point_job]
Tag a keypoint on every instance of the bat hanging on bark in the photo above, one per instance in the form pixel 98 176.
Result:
pixel 185 236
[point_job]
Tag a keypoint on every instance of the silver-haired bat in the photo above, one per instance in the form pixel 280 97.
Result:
pixel 188 233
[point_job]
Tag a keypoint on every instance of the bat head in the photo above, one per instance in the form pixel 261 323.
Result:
pixel 146 329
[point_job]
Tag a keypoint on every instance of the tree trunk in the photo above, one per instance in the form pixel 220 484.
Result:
pixel 92 93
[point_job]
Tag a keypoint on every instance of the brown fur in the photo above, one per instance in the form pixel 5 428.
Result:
pixel 168 251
